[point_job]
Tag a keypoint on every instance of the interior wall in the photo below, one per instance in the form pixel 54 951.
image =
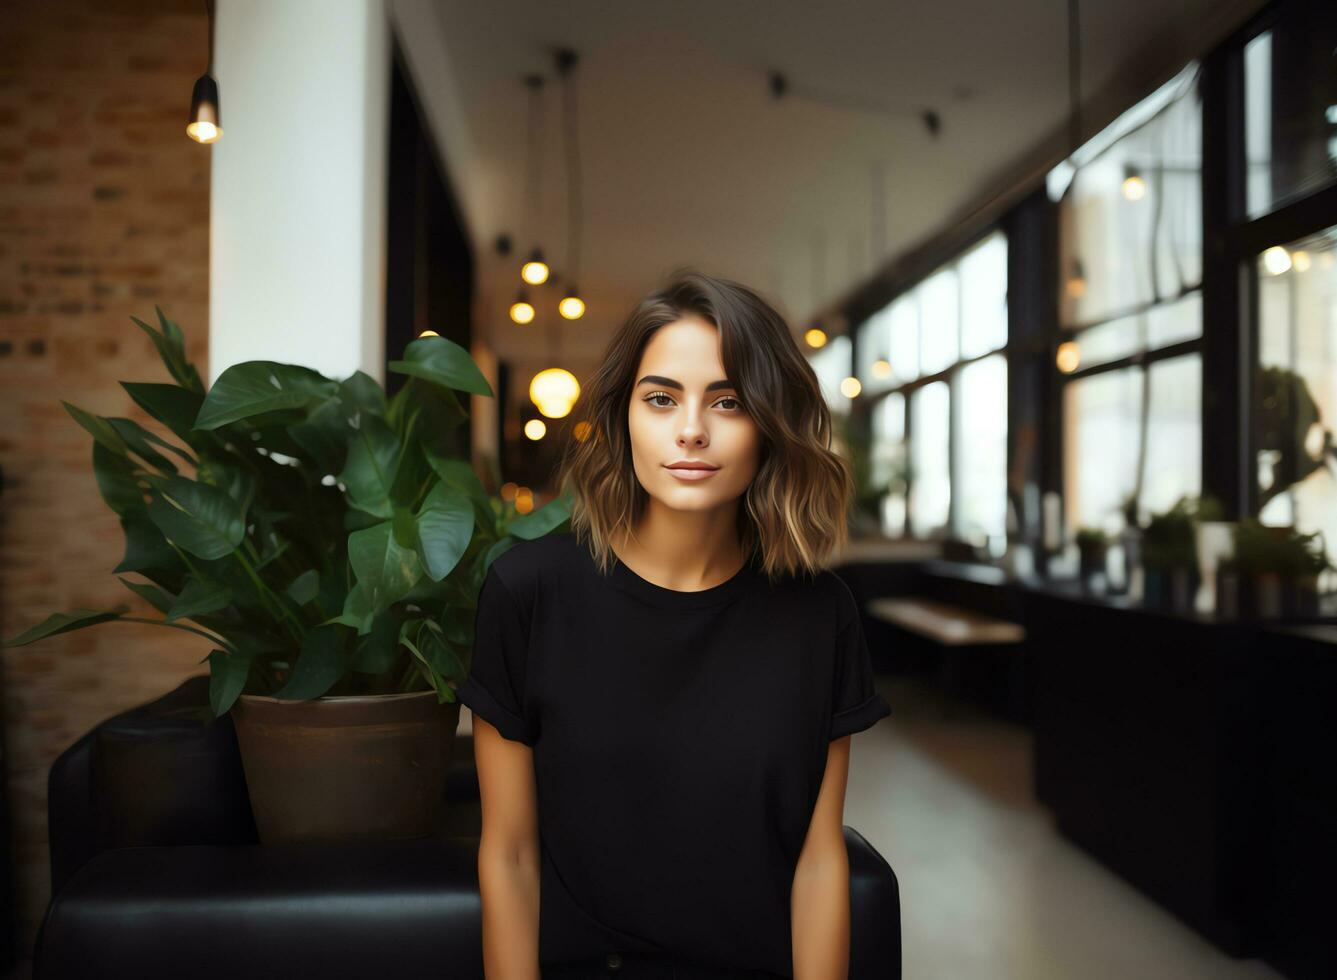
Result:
pixel 104 209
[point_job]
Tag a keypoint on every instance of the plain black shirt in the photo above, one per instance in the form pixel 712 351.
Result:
pixel 679 743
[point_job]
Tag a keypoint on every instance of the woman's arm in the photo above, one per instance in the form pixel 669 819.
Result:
pixel 508 854
pixel 820 897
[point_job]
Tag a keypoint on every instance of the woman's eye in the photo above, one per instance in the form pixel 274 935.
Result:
pixel 737 403
pixel 651 398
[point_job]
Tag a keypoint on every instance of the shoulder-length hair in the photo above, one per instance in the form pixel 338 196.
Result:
pixel 794 513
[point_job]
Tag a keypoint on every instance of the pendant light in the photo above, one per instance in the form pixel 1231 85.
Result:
pixel 571 306
pixel 522 311
pixel 535 271
pixel 204 125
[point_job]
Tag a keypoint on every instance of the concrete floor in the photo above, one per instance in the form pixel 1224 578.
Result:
pixel 989 890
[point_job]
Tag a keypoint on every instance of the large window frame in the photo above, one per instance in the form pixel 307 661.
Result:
pixel 907 388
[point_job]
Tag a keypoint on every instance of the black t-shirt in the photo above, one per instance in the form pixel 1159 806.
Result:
pixel 679 743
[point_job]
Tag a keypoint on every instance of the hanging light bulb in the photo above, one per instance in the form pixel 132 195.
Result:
pixel 535 429
pixel 882 368
pixel 521 310
pixel 1134 187
pixel 1276 260
pixel 1068 356
pixel 535 271
pixel 851 387
pixel 554 392
pixel 572 306
pixel 816 337
pixel 204 125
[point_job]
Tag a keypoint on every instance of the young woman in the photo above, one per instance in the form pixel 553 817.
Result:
pixel 663 698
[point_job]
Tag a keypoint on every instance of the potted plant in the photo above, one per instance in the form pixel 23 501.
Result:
pixel 1130 540
pixel 331 545
pixel 1092 548
pixel 1277 570
pixel 1169 558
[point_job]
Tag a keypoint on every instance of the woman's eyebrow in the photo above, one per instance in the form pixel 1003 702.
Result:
pixel 656 379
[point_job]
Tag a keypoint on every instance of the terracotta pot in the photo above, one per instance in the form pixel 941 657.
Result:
pixel 345 768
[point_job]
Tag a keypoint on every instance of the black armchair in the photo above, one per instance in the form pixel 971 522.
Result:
pixel 157 871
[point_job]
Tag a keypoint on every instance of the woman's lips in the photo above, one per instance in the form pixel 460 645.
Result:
pixel 690 475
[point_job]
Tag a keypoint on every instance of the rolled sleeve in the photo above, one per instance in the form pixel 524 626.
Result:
pixel 855 704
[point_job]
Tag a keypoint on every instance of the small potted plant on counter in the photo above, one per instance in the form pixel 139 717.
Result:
pixel 330 543
pixel 1170 558
pixel 1092 548
pixel 1274 571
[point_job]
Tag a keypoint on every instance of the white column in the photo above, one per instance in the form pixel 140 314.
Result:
pixel 297 199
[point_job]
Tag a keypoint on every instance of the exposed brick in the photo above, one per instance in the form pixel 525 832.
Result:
pixel 74 266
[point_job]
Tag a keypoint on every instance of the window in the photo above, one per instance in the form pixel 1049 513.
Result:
pixel 1130 306
pixel 939 348
pixel 1290 106
pixel 1296 400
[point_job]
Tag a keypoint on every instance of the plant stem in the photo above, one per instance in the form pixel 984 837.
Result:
pixel 267 596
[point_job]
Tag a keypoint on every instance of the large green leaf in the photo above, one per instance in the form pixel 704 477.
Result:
pixel 99 428
pixel 384 568
pixel 227 678
pixel 171 345
pixel 146 549
pixel 379 649
pixel 254 387
pixel 373 458
pixel 326 656
pixel 140 441
pixel 172 405
pixel 458 473
pixel 445 525
pixel 158 598
pixel 304 587
pixel 65 623
pixel 197 517
pixel 116 480
pixel 537 523
pixel 199 598
pixel 323 436
pixel 443 362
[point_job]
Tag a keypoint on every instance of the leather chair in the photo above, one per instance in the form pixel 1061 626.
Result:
pixel 157 871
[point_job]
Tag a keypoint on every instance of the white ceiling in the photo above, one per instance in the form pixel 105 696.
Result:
pixel 687 159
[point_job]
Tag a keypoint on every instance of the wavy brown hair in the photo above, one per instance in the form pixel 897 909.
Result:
pixel 794 513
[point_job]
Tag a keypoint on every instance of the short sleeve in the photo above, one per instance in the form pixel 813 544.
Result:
pixel 855 704
pixel 495 687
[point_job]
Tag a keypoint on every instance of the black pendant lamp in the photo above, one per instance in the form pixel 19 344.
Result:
pixel 204 125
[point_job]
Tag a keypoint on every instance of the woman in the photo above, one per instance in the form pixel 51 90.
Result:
pixel 663 699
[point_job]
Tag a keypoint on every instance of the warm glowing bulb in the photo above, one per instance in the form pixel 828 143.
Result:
pixel 850 387
pixel 554 392
pixel 522 312
pixel 571 307
pixel 1276 260
pixel 815 337
pixel 1076 287
pixel 534 272
pixel 1301 261
pixel 1134 187
pixel 203 131
pixel 882 368
pixel 1068 356
pixel 509 489
pixel 429 333
pixel 535 429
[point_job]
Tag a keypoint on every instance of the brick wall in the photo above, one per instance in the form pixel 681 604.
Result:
pixel 103 213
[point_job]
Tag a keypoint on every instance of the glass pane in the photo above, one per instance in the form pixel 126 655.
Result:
pixel 1110 341
pixel 1297 386
pixel 940 324
pixel 905 337
pixel 1174 433
pixel 832 366
pixel 984 296
pixel 1100 445
pixel 875 351
pixel 1290 122
pixel 981 450
pixel 1130 221
pixel 1172 322
pixel 930 488
pixel 888 459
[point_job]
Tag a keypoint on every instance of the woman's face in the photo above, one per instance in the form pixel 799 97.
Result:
pixel 684 408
